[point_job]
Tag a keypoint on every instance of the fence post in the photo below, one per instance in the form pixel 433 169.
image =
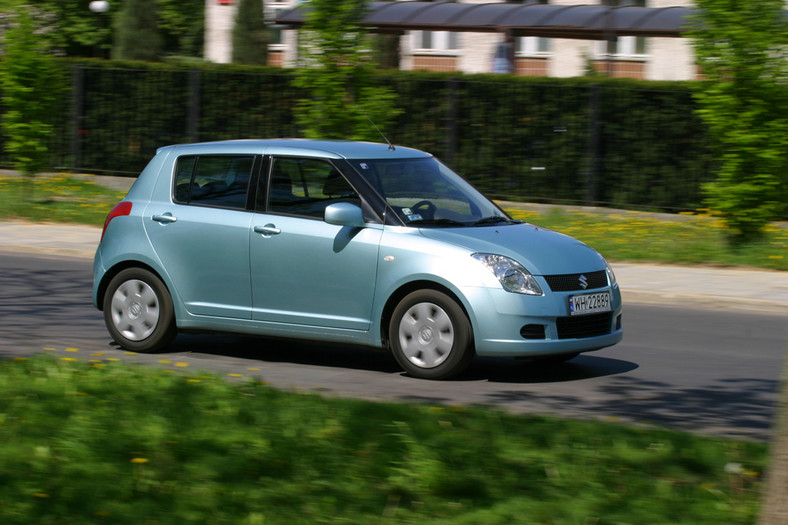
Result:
pixel 193 109
pixel 451 124
pixel 77 114
pixel 593 156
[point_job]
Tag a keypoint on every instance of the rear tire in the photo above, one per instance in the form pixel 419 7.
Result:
pixel 430 335
pixel 138 311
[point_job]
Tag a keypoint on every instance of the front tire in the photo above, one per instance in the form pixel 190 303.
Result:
pixel 430 335
pixel 138 311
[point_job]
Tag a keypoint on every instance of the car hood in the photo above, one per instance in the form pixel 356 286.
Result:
pixel 541 251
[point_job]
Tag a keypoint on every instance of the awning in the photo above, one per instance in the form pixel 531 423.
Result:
pixel 554 21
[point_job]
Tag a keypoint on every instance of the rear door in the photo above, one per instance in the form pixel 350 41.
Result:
pixel 201 234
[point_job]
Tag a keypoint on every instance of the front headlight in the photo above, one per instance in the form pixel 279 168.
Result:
pixel 611 277
pixel 511 274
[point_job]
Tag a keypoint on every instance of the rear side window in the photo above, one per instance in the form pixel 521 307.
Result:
pixel 213 180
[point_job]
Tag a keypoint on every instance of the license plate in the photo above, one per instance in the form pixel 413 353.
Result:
pixel 589 303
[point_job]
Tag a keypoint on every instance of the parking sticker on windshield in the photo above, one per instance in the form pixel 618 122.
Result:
pixel 407 211
pixel 414 217
pixel 364 166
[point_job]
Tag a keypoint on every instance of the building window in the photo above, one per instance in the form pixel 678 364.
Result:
pixel 532 45
pixel 436 41
pixel 624 46
pixel 272 9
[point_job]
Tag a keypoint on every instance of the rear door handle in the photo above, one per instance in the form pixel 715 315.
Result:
pixel 165 219
pixel 267 230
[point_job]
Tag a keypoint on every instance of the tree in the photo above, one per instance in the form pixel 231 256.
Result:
pixel 182 26
pixel 250 39
pixel 741 49
pixel 31 89
pixel 337 74
pixel 137 35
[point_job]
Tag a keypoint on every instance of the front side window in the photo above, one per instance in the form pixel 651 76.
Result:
pixel 305 186
pixel 220 181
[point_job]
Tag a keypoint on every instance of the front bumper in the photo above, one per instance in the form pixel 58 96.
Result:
pixel 508 324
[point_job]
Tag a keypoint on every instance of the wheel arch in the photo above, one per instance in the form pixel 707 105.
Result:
pixel 398 294
pixel 115 270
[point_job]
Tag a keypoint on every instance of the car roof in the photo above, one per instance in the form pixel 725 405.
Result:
pixel 340 149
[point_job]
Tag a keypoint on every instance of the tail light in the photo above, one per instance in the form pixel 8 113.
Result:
pixel 122 208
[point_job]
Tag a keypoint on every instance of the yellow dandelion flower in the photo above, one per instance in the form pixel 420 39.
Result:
pixel 139 461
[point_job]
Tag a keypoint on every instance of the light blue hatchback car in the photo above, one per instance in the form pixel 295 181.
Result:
pixel 348 242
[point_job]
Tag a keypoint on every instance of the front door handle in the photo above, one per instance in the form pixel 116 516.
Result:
pixel 165 219
pixel 267 230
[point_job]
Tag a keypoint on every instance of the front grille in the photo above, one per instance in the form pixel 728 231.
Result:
pixel 581 326
pixel 570 282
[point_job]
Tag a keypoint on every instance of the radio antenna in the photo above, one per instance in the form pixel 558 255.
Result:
pixel 391 146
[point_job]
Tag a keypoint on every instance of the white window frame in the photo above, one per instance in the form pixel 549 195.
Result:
pixel 533 46
pixel 441 42
pixel 272 9
pixel 626 47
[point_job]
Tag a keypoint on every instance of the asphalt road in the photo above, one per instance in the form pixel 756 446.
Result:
pixel 696 369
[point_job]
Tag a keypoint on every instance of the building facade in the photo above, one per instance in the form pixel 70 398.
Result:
pixel 649 58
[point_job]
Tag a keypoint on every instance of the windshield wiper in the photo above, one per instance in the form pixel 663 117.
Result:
pixel 495 219
pixel 436 222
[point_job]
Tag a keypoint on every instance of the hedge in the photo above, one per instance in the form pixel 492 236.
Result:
pixel 587 140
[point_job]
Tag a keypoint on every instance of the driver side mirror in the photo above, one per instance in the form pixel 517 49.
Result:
pixel 344 214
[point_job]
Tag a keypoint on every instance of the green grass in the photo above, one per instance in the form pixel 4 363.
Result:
pixel 56 198
pixel 622 236
pixel 104 442
pixel 630 236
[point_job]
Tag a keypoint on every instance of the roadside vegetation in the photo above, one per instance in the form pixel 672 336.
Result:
pixel 622 236
pixel 103 442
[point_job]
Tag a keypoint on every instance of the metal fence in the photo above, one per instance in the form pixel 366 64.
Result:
pixel 547 140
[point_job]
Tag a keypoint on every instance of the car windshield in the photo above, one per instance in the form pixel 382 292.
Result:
pixel 424 192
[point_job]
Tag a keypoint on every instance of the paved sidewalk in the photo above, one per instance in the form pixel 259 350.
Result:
pixel 717 288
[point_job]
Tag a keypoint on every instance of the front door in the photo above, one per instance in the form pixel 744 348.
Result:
pixel 304 270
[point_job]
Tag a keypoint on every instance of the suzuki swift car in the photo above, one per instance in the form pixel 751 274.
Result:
pixel 348 242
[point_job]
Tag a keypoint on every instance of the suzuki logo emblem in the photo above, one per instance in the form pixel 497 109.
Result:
pixel 583 282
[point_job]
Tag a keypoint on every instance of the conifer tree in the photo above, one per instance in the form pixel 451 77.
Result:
pixel 136 33
pixel 250 41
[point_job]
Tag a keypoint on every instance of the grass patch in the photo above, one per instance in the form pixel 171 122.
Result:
pixel 101 442
pixel 630 236
pixel 56 198
pixel 623 236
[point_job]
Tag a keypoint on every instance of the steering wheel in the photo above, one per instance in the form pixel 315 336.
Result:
pixel 429 205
